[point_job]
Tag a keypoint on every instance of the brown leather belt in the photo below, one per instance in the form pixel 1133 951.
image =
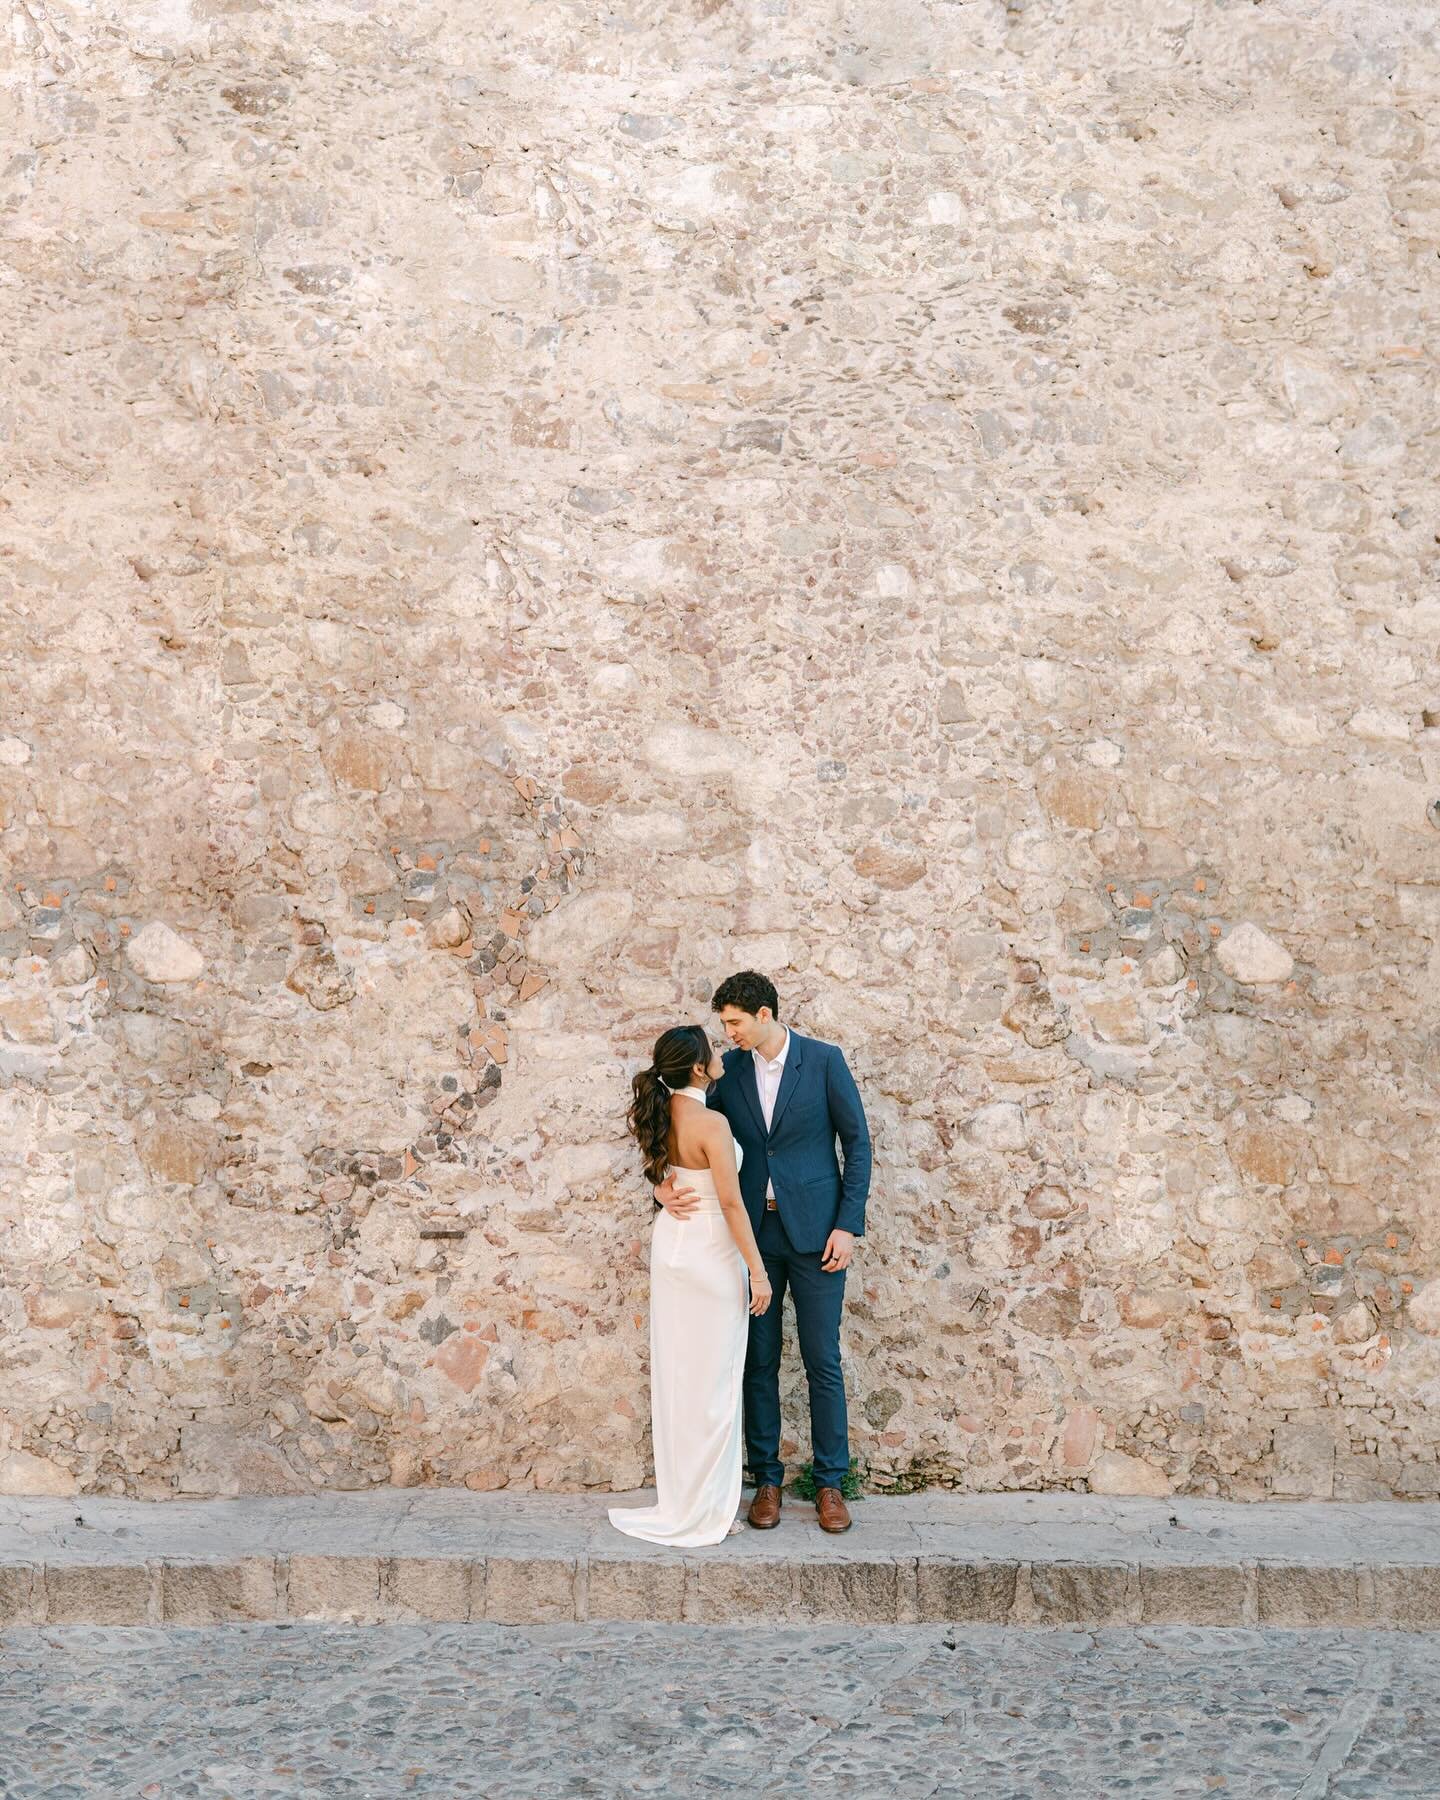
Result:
pixel 770 1206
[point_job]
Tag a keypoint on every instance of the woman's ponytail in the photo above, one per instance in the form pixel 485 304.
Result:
pixel 649 1120
pixel 677 1054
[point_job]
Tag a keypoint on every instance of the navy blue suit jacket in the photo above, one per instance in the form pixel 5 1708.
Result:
pixel 818 1105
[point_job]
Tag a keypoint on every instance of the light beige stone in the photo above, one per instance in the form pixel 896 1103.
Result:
pixel 26 1018
pixel 1092 1594
pixel 342 1588
pixel 1296 1595
pixel 432 1587
pixel 528 1590
pixel 174 1151
pixel 584 930
pixel 214 1593
pixel 963 1593
pixel 160 954
pixel 1379 725
pixel 1354 1325
pixel 22 1594
pixel 889 866
pixel 1113 1472
pixel 448 930
pixel 97 1594
pixel 1249 954
pixel 1313 388
pixel 1423 1312
pixel 1304 1459
pixel 749 1593
pixel 860 1593
pixel 1119 1020
pixel 628 1588
pixel 998 1126
pixel 23 1473
pixel 1406 1598
pixel 1192 1594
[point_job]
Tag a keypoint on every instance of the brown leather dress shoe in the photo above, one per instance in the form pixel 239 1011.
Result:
pixel 765 1507
pixel 832 1511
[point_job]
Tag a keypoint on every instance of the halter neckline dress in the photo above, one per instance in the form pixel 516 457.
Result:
pixel 699 1328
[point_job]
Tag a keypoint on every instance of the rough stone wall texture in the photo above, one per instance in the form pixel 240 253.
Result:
pixel 513 511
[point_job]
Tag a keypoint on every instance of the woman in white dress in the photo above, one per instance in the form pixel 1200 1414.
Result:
pixel 706 1278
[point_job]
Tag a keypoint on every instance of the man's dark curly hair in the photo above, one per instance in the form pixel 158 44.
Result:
pixel 749 992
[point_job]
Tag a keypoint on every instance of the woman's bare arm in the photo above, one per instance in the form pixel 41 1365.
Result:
pixel 719 1148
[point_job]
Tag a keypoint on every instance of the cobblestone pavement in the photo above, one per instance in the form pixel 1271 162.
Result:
pixel 257 1712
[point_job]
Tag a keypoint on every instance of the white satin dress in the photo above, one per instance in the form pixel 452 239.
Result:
pixel 699 1327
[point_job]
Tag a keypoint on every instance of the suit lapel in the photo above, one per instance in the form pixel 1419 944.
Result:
pixel 744 1067
pixel 789 1081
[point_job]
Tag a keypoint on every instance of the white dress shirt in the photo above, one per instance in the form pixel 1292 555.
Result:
pixel 767 1079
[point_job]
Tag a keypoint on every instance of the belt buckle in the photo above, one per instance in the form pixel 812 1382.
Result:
pixel 770 1206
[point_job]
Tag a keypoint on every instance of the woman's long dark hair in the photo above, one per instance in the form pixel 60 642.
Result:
pixel 675 1054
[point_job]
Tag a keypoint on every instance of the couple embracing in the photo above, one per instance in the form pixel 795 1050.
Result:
pixel 741 1150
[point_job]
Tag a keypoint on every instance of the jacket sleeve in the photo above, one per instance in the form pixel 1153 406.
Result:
pixel 848 1117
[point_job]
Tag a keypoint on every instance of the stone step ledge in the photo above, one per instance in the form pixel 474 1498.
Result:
pixel 549 1590
pixel 393 1555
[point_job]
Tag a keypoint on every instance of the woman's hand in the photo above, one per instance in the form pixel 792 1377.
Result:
pixel 761 1294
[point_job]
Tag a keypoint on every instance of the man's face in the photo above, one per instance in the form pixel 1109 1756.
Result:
pixel 743 1029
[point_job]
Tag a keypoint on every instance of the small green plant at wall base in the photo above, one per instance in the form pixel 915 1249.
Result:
pixel 803 1486
pixel 906 1481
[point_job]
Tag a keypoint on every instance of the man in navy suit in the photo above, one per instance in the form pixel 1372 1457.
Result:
pixel 788 1100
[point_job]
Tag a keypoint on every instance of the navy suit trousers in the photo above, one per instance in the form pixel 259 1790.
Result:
pixel 819 1297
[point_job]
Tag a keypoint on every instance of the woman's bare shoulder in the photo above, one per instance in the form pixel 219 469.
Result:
pixel 707 1129
pixel 716 1135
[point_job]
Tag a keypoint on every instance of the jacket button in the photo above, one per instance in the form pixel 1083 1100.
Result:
pixel 769 1152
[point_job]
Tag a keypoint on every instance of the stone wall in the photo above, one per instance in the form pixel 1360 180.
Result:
pixel 512 512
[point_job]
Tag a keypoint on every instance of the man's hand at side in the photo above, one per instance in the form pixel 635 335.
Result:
pixel 839 1248
pixel 678 1202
